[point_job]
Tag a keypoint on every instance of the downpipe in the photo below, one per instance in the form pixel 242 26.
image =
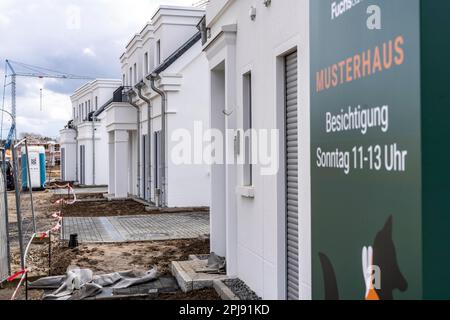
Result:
pixel 94 118
pixel 130 96
pixel 163 95
pixel 76 155
pixel 149 136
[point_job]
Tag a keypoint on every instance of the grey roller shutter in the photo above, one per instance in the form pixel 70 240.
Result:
pixel 291 126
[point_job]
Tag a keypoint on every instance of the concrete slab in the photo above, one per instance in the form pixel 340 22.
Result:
pixel 137 228
pixel 189 280
pixel 224 292
pixel 90 190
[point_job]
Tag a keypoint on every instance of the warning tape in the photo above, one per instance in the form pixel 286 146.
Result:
pixel 15 276
pixel 23 272
pixel 56 186
pixel 24 275
pixel 58 217
pixel 71 191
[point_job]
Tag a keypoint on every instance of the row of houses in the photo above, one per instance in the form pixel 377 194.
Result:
pixel 120 131
pixel 191 69
pixel 225 81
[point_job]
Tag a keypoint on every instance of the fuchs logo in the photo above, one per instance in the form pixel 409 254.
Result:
pixel 340 7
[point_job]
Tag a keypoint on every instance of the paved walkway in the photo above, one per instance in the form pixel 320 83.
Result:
pixel 137 228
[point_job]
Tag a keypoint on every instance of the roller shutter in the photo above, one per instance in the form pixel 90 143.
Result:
pixel 291 75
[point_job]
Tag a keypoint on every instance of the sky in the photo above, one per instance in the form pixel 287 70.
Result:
pixel 82 37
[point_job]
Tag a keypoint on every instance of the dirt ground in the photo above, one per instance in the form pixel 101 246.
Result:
pixel 97 206
pixel 101 258
pixel 43 205
pixel 105 209
pixel 108 258
pixel 141 256
pixel 206 294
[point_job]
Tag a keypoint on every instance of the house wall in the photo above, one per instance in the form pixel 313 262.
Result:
pixel 69 143
pixel 173 26
pixel 186 84
pixel 101 152
pixel 101 89
pixel 259 223
pixel 191 107
pixel 98 92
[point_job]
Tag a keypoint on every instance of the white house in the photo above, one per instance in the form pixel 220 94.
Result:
pixel 165 79
pixel 258 53
pixel 84 141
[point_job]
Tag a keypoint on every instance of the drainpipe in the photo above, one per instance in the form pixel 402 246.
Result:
pixel 131 93
pixel 93 148
pixel 163 95
pixel 139 86
pixel 76 153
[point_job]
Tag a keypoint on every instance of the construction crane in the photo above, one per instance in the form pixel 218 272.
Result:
pixel 31 72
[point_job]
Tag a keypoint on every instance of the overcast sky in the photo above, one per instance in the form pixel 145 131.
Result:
pixel 83 37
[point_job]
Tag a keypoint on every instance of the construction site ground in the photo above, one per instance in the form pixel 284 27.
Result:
pixel 100 257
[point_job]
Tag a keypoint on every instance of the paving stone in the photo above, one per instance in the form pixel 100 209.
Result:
pixel 137 228
pixel 189 279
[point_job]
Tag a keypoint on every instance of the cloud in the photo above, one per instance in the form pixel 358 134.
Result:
pixel 89 52
pixel 4 20
pixel 83 37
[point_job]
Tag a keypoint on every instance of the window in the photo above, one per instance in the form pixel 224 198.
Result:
pixel 247 126
pixel 135 74
pixel 158 52
pixel 123 80
pixel 89 106
pixel 96 103
pixel 73 113
pixel 146 68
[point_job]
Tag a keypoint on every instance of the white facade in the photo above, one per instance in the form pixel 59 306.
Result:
pixel 68 141
pixel 184 80
pixel 249 220
pixel 84 144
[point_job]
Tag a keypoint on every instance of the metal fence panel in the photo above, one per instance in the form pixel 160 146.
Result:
pixel 4 252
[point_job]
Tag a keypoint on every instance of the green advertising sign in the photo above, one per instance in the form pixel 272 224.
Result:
pixel 366 149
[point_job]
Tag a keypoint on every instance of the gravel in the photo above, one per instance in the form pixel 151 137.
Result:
pixel 239 288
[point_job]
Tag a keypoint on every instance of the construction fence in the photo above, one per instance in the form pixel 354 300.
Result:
pixel 25 227
pixel 4 229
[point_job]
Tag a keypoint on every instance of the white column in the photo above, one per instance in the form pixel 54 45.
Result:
pixel 121 163
pixel 111 165
pixel 231 170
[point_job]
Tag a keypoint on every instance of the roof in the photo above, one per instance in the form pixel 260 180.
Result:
pixel 178 53
pixel 176 8
pixel 91 85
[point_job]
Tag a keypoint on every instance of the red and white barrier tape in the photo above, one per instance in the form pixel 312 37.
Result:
pixel 58 217
pixel 71 191
pixel 22 273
